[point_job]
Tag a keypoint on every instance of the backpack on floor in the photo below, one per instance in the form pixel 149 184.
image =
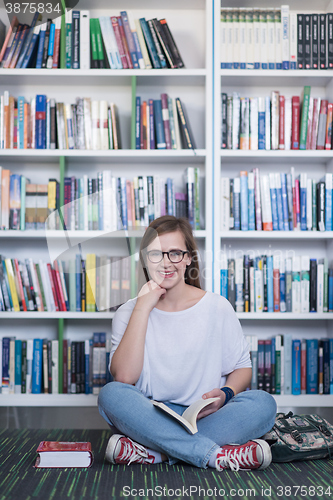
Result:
pixel 300 437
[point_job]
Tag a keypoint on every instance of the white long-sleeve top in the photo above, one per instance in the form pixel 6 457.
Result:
pixel 187 353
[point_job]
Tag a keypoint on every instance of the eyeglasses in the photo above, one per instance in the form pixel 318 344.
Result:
pixel 174 256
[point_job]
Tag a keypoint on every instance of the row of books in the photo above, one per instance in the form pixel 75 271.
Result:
pixel 78 41
pixel 44 123
pixel 287 365
pixel 96 283
pixel 275 38
pixel 103 203
pixel 32 366
pixel 271 283
pixel 162 124
pixel 276 122
pixel 276 202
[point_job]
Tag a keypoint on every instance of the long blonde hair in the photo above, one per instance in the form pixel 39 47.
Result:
pixel 170 224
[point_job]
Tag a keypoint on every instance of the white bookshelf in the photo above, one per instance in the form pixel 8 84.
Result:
pixel 83 400
pixel 191 27
pixel 230 162
pixel 200 85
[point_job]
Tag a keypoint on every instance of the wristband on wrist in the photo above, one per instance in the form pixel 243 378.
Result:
pixel 229 393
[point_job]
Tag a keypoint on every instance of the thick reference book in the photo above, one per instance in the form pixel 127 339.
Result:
pixel 64 454
pixel 189 418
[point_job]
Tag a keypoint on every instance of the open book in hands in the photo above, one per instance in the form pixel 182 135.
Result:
pixel 189 418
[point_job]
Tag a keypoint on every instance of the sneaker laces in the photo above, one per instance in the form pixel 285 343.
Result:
pixel 133 452
pixel 234 458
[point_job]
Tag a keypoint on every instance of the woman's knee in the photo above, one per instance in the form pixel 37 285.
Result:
pixel 111 392
pixel 266 403
pixel 262 401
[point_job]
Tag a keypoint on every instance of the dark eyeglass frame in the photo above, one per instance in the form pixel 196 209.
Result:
pixel 183 252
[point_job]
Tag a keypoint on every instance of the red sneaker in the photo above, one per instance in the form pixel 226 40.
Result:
pixel 122 450
pixel 255 454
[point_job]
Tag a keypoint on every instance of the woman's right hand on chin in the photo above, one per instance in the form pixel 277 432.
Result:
pixel 149 295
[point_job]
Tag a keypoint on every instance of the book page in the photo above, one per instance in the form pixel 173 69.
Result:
pixel 191 413
pixel 189 417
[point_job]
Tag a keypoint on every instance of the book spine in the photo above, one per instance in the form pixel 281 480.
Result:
pixel 300 41
pixel 312 366
pixel 328 136
pixel 166 120
pixel 329 36
pixel 285 36
pixel 84 36
pixel 130 39
pixel 314 41
pixel 150 43
pixel 321 127
pixel 322 41
pixel 307 41
pixel 261 364
pixel 158 47
pixel 295 122
pixel 304 118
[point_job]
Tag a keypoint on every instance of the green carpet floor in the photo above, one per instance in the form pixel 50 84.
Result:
pixel 19 480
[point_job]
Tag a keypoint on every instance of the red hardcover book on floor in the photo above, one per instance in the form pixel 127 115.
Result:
pixel 295 117
pixel 281 121
pixel 64 454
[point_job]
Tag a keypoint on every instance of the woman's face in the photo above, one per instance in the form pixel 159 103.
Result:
pixel 165 273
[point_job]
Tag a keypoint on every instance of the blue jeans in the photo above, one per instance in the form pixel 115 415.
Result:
pixel 248 415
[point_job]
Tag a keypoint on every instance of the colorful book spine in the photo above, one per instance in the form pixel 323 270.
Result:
pixel 312 366
pixel 296 364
